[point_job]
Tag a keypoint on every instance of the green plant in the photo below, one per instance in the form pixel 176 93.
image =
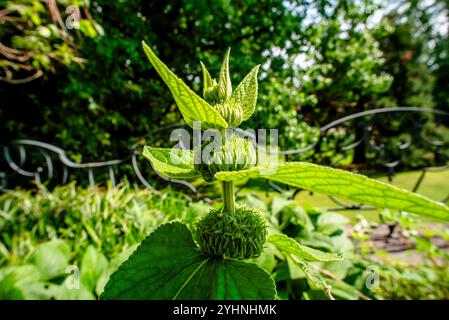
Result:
pixel 170 265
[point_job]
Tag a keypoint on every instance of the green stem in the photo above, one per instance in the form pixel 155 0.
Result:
pixel 228 196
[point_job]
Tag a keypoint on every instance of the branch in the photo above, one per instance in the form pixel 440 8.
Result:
pixel 35 76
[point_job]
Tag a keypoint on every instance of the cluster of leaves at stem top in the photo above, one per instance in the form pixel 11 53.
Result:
pixel 169 263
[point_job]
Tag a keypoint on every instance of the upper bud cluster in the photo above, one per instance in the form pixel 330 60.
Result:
pixel 219 94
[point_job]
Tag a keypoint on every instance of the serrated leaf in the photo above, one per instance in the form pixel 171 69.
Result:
pixel 192 107
pixel 168 265
pixel 172 162
pixel 345 185
pixel 224 80
pixel 355 187
pixel 246 93
pixel 290 246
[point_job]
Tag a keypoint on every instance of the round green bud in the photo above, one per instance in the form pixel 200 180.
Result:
pixel 236 153
pixel 231 112
pixel 240 235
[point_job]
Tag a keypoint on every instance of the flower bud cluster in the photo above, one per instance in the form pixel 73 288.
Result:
pixel 239 235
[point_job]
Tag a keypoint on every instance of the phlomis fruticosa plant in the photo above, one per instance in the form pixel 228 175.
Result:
pixel 213 261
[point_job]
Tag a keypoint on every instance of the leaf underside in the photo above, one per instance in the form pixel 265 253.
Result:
pixel 168 265
pixel 345 185
pixel 192 107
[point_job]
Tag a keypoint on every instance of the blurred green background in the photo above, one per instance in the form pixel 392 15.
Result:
pixel 73 74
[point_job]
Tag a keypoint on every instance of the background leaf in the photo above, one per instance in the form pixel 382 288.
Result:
pixel 355 187
pixel 93 265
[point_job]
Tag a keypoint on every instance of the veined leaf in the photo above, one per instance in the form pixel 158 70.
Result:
pixel 171 162
pixel 246 93
pixel 168 265
pixel 291 246
pixel 192 107
pixel 224 80
pixel 345 185
pixel 357 188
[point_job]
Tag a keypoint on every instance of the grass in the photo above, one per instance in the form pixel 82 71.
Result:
pixel 108 218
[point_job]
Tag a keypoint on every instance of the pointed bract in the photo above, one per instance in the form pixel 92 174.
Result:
pixel 345 185
pixel 224 81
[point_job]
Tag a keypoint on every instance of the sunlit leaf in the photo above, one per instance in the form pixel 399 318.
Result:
pixel 192 107
pixel 171 162
pixel 290 246
pixel 345 185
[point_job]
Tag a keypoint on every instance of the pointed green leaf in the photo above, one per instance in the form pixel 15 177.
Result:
pixel 168 265
pixel 208 83
pixel 171 162
pixel 291 246
pixel 224 81
pixel 192 107
pixel 246 93
pixel 355 187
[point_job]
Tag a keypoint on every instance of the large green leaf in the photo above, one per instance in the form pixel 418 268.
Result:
pixel 168 265
pixel 291 246
pixel 192 107
pixel 171 162
pixel 343 184
pixel 246 93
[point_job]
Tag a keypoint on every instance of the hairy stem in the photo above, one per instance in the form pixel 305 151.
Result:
pixel 228 196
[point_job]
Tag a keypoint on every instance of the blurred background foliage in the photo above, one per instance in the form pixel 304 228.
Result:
pixel 91 91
